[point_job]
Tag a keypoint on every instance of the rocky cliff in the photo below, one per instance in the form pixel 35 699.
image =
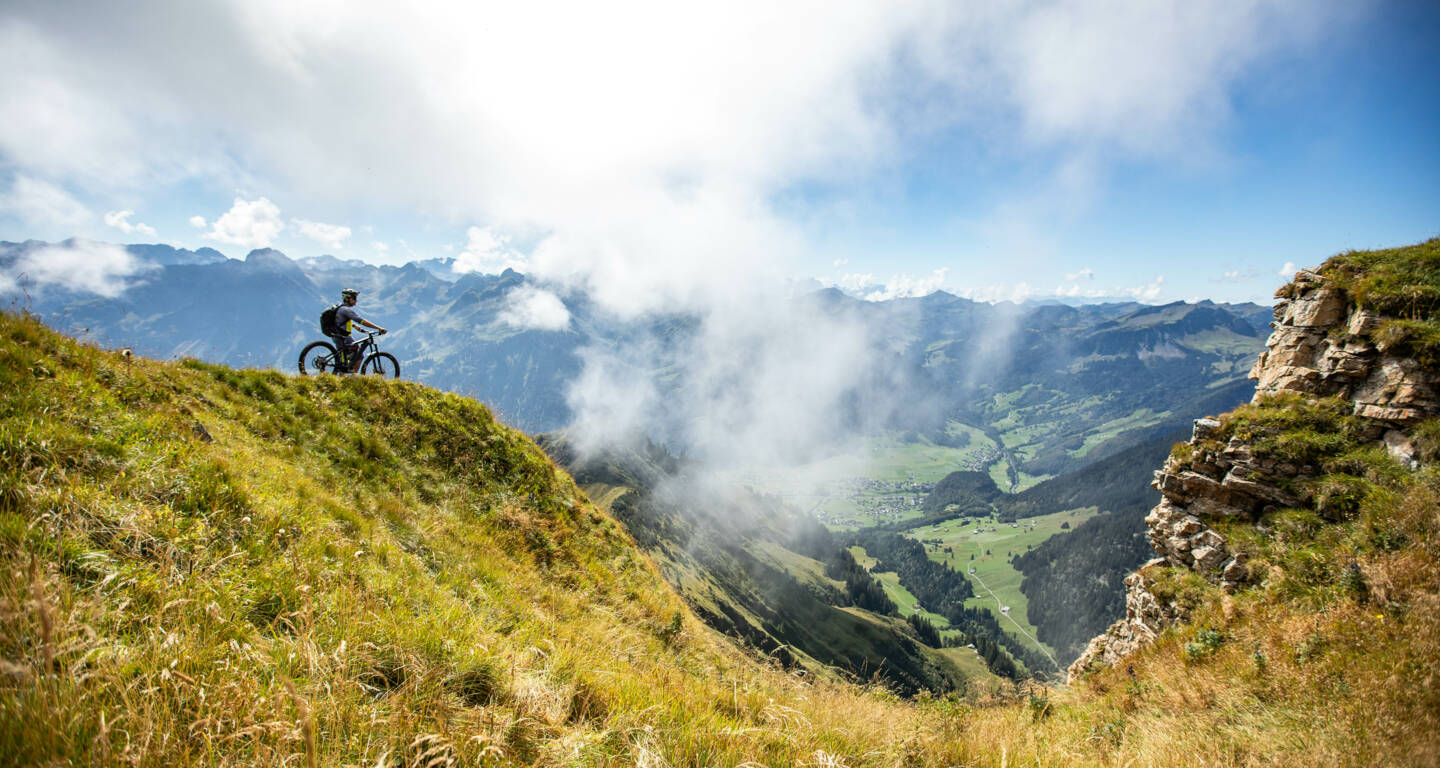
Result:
pixel 1342 373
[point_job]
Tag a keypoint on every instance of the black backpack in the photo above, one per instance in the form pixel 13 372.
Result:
pixel 327 322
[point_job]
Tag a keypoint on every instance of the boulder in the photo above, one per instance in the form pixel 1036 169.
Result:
pixel 1320 309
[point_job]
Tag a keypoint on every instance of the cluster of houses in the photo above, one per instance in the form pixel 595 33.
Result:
pixel 980 459
pixel 880 501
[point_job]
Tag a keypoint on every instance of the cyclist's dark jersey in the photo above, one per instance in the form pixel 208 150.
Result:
pixel 344 317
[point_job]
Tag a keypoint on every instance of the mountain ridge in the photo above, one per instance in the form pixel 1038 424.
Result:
pixel 454 333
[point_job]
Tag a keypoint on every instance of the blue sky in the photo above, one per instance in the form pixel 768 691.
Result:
pixel 658 154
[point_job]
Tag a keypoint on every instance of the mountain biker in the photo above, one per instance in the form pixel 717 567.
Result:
pixel 345 316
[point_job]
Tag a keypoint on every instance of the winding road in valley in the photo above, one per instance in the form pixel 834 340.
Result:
pixel 999 605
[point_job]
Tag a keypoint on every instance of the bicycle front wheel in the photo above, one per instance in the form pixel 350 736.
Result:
pixel 381 364
pixel 317 357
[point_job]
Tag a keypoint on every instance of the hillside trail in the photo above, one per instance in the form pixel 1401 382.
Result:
pixel 999 605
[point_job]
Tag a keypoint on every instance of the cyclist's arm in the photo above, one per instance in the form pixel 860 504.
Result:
pixel 367 323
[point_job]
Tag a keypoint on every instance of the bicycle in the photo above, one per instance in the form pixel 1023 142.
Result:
pixel 321 357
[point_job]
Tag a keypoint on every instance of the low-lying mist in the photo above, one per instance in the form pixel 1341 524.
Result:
pixel 767 384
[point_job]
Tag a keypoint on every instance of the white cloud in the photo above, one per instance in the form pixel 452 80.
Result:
pixel 1237 275
pixel 41 204
pixel 120 220
pixel 1288 271
pixel 198 222
pixel 1142 76
pixel 528 307
pixel 1085 273
pixel 640 149
pixel 642 144
pixel 996 293
pixel 329 235
pixel 488 252
pixel 1148 292
pixel 248 223
pixel 1023 291
pixel 80 265
pixel 854 283
pixel 904 286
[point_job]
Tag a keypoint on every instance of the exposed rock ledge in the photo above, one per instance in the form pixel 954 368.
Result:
pixel 1146 616
pixel 1322 345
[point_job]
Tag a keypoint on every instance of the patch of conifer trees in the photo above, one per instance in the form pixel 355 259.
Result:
pixel 1075 579
pixel 860 587
pixel 935 584
pixel 942 590
pixel 924 630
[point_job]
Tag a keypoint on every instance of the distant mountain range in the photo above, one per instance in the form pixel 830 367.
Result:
pixel 1057 385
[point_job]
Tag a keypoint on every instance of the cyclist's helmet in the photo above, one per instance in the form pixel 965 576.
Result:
pixel 349 293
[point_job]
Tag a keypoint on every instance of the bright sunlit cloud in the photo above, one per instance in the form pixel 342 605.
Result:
pixel 905 286
pixel 248 223
pixel 80 265
pixel 332 236
pixel 528 307
pixel 641 145
pixel 41 204
pixel 121 220
pixel 488 252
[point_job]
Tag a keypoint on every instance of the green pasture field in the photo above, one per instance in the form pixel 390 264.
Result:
pixel 1139 418
pixel 901 596
pixel 995 569
pixel 891 459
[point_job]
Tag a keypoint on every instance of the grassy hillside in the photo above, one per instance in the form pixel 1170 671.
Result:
pixel 759 571
pixel 209 566
pixel 1342 626
pixel 213 567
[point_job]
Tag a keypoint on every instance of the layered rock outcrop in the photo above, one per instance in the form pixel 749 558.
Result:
pixel 1323 345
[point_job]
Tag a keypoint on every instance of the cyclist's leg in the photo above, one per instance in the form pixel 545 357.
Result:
pixel 342 353
pixel 353 355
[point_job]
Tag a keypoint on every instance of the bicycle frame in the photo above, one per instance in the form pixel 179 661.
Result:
pixel 328 357
pixel 364 348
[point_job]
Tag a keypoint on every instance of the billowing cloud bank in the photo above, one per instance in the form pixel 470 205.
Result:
pixel 656 154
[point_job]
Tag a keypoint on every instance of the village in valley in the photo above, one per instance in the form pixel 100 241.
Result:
pixel 860 502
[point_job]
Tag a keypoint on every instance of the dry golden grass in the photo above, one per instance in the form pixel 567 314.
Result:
pixel 368 573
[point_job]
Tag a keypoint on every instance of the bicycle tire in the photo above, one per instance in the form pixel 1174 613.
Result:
pixel 381 364
pixel 317 357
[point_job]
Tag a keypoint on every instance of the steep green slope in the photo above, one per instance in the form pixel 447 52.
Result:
pixel 221 567
pixel 762 572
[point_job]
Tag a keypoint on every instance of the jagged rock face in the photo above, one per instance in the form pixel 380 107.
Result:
pixel 1323 346
pixel 1146 616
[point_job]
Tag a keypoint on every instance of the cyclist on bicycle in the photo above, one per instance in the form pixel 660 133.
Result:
pixel 346 315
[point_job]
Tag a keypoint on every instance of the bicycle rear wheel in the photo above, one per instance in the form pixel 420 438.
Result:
pixel 317 357
pixel 381 364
